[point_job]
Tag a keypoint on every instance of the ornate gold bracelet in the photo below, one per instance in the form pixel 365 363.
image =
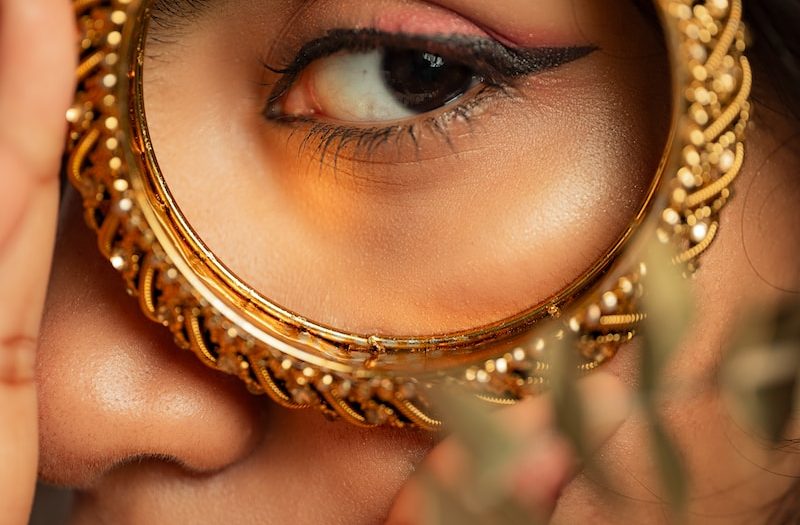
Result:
pixel 372 380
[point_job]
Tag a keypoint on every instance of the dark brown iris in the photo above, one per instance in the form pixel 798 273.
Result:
pixel 423 81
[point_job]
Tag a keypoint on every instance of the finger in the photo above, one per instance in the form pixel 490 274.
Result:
pixel 546 463
pixel 36 69
pixel 20 310
pixel 539 475
pixel 38 51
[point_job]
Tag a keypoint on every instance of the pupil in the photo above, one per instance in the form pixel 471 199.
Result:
pixel 423 81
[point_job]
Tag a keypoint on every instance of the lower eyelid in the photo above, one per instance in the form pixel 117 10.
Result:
pixel 333 142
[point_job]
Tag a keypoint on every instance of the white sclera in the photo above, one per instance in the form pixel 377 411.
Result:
pixel 350 87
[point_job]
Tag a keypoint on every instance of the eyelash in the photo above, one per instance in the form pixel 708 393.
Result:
pixel 334 138
pixel 496 67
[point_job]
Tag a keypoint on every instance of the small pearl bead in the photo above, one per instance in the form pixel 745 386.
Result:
pixel 699 232
pixel 726 160
pixel 609 302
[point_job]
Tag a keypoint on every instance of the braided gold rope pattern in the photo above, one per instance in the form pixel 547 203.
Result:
pixel 717 91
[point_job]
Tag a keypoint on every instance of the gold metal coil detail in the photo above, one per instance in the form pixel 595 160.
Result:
pixel 735 108
pixel 418 417
pixel 695 252
pixel 498 401
pixel 272 390
pixel 728 36
pixel 715 188
pixel 622 321
pixel 344 410
pixel 78 157
pixel 108 232
pixel 146 288
pixel 89 64
pixel 197 341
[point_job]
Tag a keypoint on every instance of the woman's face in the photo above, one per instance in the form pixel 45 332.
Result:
pixel 341 196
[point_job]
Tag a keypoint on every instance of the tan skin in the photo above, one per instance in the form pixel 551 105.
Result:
pixel 148 435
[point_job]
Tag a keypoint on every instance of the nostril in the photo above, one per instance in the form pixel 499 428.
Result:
pixel 113 387
pixel 116 411
pixel 157 461
pixel 120 405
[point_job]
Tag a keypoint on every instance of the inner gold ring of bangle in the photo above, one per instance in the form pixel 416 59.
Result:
pixel 372 380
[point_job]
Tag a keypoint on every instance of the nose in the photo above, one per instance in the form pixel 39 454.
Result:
pixel 113 388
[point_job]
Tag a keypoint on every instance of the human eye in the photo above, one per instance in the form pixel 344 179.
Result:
pixel 356 85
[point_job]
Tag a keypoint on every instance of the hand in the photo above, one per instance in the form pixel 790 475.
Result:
pixel 37 64
pixel 533 480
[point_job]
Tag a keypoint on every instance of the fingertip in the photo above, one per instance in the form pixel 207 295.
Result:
pixel 409 505
pixel 608 403
pixel 37 67
pixel 540 475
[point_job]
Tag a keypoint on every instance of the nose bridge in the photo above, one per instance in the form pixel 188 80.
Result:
pixel 112 385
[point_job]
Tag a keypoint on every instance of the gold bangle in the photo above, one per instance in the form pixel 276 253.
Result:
pixel 372 380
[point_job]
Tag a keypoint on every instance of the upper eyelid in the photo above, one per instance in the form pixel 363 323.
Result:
pixel 517 61
pixel 356 40
pixel 494 62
